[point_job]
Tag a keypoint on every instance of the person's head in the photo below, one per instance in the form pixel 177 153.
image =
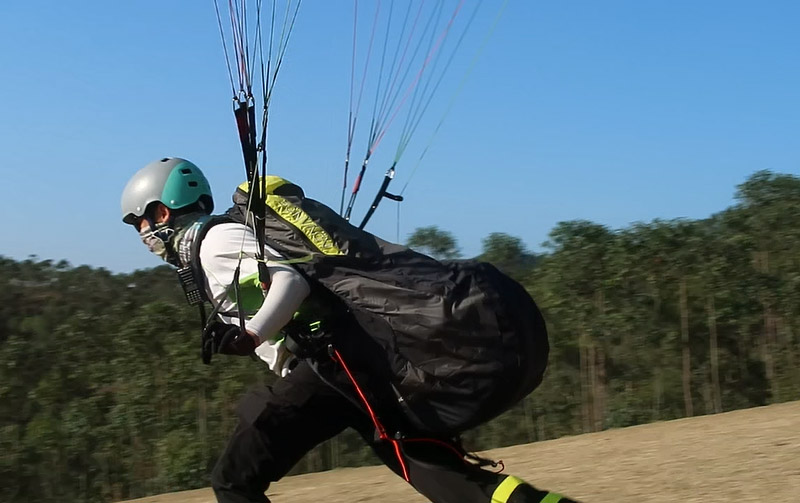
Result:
pixel 158 195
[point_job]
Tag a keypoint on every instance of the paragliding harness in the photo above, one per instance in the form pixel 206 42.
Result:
pixel 312 342
pixel 312 338
pixel 309 339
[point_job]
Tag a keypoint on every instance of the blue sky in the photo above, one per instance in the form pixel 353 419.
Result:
pixel 614 111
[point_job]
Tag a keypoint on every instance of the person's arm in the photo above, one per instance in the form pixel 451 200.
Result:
pixel 219 256
pixel 287 290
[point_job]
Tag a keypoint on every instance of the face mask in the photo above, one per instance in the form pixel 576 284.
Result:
pixel 157 240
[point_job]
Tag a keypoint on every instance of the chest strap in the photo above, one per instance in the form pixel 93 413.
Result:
pixel 191 275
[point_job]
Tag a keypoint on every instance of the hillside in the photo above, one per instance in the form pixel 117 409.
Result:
pixel 743 456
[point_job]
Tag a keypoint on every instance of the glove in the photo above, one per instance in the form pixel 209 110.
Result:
pixel 228 340
pixel 279 359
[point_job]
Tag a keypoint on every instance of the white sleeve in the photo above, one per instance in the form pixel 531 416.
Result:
pixel 287 290
pixel 219 256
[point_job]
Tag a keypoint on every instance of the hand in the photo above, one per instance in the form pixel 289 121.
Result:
pixel 277 357
pixel 229 339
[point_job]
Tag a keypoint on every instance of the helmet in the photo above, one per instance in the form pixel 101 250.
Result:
pixel 172 181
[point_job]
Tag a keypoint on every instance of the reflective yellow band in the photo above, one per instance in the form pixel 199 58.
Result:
pixel 305 224
pixel 506 487
pixel 551 498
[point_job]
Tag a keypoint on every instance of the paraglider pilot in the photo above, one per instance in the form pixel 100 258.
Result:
pixel 364 334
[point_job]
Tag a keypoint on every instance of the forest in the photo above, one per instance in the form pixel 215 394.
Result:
pixel 103 395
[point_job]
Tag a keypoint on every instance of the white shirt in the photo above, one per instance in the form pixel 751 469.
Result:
pixel 266 311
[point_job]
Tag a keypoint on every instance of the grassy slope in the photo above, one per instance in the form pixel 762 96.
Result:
pixel 743 456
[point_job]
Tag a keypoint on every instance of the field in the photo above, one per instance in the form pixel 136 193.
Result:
pixel 743 456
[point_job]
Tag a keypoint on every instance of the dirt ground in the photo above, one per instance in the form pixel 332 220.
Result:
pixel 743 456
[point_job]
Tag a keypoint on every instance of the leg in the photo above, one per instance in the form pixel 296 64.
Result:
pixel 277 426
pixel 442 476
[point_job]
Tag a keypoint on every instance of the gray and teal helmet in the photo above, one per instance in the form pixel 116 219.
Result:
pixel 172 181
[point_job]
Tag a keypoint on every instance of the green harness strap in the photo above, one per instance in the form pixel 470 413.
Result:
pixel 510 483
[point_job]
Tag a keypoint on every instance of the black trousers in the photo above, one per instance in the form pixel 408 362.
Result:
pixel 281 423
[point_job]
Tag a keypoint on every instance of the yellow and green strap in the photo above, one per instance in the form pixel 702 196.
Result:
pixel 305 224
pixel 295 216
pixel 507 486
pixel 268 185
pixel 551 498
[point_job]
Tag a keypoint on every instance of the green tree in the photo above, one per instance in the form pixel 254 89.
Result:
pixel 508 253
pixel 437 243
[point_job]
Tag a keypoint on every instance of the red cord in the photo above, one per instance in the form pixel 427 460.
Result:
pixel 399 455
pixel 378 426
pixel 382 431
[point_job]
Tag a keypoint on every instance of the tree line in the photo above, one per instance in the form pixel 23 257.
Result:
pixel 103 396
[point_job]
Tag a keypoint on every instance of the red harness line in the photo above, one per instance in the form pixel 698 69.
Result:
pixel 378 426
pixel 337 357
